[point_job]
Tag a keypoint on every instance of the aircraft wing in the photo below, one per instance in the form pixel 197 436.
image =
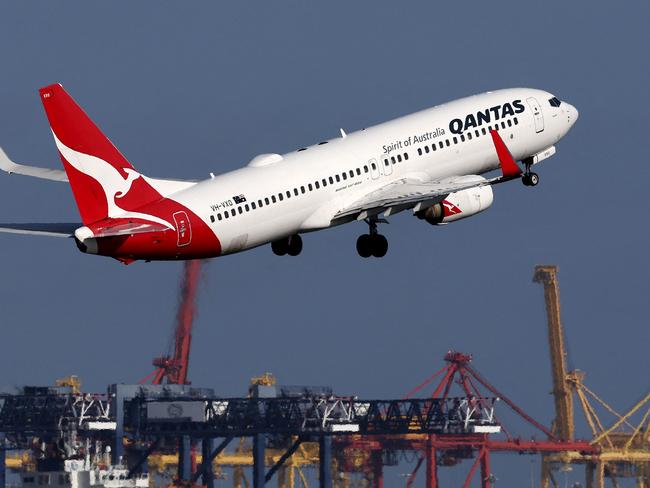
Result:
pixel 408 193
pixel 10 167
pixel 55 229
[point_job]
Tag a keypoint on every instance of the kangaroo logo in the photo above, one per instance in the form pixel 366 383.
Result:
pixel 110 179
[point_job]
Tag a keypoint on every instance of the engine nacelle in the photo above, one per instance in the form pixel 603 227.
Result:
pixel 458 205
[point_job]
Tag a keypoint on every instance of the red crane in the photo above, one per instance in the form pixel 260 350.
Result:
pixel 174 367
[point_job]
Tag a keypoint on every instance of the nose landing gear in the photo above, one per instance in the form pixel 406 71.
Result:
pixel 373 243
pixel 529 178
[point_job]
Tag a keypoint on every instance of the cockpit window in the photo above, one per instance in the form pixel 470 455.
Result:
pixel 554 102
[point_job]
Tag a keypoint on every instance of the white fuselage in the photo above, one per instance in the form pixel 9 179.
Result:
pixel 311 182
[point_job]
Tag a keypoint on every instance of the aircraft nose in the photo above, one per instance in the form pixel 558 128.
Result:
pixel 572 113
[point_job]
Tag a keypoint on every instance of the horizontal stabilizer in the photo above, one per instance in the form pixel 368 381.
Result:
pixel 54 229
pixel 125 228
pixel 10 167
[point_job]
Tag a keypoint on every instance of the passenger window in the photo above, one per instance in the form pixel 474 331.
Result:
pixel 302 189
pixel 211 218
pixel 516 121
pixel 266 200
pixel 247 207
pixel 295 191
pixel 419 151
pixel 310 187
pixel 399 158
pixel 447 142
pixel 426 149
pixel 469 136
pixel 324 182
pixel 351 174
pixel 406 156
pixel 273 199
pixel 288 194
pixel 392 160
pixel 503 125
pixel 317 185
pixel 260 204
pixel 232 212
pixel 440 144
pixel 253 205
pixel 483 130
pixel 331 180
pixel 385 162
pixel 374 166
pixel 225 214
pixel 345 177
pixel 338 178
pixel 240 210
pixel 433 146
pixel 455 140
pixel 477 133
pixel 280 196
pixel 219 217
pixel 365 169
pixel 358 171
pixel 509 123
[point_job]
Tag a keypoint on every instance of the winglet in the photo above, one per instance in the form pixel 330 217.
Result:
pixel 508 165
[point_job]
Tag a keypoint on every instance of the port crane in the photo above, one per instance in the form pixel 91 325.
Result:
pixel 172 369
pixel 623 448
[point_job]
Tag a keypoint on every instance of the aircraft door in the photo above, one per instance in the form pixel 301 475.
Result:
pixel 374 168
pixel 183 229
pixel 537 114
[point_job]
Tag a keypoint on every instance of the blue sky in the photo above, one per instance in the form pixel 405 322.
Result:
pixel 184 92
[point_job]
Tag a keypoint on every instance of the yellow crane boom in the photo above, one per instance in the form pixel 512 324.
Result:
pixel 563 425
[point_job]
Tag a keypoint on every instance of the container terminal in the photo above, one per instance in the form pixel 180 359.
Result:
pixel 133 436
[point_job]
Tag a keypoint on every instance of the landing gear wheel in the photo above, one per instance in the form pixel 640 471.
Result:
pixel 364 245
pixel 379 245
pixel 533 179
pixel 280 247
pixel 294 245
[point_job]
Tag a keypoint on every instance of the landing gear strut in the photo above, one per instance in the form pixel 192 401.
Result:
pixel 373 243
pixel 529 178
pixel 291 245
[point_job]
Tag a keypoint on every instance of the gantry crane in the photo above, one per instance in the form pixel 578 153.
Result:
pixel 563 426
pixel 173 368
pixel 624 448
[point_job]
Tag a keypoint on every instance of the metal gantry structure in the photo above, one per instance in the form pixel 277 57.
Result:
pixel 438 449
pixel 173 368
pixel 623 450
pixel 303 419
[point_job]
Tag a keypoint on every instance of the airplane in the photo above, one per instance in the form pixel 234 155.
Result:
pixel 429 163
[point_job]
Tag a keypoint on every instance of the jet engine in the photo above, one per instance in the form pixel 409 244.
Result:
pixel 458 205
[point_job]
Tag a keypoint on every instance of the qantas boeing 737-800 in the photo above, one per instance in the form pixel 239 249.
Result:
pixel 428 163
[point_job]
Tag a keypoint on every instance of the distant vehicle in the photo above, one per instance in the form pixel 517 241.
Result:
pixel 428 162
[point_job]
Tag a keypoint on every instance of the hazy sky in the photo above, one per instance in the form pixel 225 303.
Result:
pixel 187 91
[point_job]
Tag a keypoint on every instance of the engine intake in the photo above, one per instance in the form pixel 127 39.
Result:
pixel 458 205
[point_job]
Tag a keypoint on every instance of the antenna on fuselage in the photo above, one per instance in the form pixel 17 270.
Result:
pixel 343 134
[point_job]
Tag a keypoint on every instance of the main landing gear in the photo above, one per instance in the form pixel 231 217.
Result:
pixel 529 178
pixel 373 243
pixel 291 245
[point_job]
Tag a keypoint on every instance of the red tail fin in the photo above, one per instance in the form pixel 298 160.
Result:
pixel 99 175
